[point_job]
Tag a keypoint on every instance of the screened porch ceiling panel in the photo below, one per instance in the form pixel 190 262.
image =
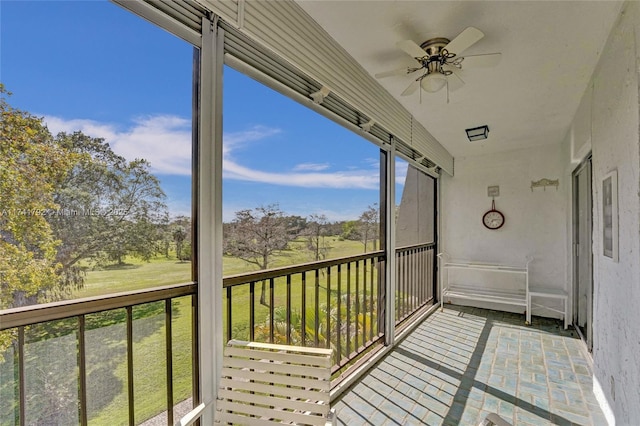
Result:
pixel 285 29
pixel 549 52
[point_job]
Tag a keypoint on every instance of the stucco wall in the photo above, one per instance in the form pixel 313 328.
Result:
pixel 615 141
pixel 535 221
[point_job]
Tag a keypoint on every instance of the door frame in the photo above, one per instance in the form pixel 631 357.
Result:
pixel 576 241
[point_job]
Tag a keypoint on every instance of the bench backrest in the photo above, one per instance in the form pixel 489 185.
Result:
pixel 265 384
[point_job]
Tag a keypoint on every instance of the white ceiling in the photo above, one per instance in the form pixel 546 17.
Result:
pixel 549 50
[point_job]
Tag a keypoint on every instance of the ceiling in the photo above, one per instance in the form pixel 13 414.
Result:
pixel 549 51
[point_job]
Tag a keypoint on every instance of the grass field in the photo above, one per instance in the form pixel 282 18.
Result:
pixel 106 341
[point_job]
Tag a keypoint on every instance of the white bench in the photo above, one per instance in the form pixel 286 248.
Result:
pixel 548 293
pixel 267 384
pixel 517 295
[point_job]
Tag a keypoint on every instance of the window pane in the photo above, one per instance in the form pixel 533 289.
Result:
pixel 318 181
pixel 96 185
pixel 95 199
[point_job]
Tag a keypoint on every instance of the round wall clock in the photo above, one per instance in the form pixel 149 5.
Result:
pixel 493 219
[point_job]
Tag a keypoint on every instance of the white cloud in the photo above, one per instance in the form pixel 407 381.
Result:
pixel 362 179
pixel 163 140
pixel 235 140
pixel 313 167
pixel 305 175
pixel 89 127
pixel 401 171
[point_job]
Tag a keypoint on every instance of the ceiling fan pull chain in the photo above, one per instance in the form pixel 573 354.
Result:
pixel 447 91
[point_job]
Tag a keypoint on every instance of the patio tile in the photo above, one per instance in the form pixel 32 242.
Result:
pixel 463 363
pixel 433 419
pixel 471 416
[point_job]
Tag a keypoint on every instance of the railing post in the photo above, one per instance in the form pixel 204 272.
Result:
pixel 229 330
pixel 339 315
pixel 357 324
pixel 288 313
pixel 272 301
pixel 252 311
pixel 130 388
pixel 169 357
pixel 22 382
pixel 316 338
pixel 328 336
pixel 303 304
pixel 82 370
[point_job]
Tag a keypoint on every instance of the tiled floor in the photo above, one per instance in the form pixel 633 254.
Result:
pixel 463 363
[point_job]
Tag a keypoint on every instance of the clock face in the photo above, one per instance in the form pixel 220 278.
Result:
pixel 493 219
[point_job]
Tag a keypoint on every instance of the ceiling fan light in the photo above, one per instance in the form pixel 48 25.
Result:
pixel 434 82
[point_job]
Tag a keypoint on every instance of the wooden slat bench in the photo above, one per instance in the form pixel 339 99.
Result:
pixel 267 384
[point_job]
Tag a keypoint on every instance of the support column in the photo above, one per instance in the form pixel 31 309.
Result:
pixel 388 237
pixel 209 213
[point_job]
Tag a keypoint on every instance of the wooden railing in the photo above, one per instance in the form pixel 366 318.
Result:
pixel 51 365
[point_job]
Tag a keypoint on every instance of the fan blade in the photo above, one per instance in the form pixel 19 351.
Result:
pixel 399 71
pixel 465 39
pixel 411 88
pixel 482 61
pixel 454 81
pixel 411 48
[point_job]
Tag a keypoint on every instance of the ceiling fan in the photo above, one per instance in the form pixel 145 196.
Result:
pixel 441 62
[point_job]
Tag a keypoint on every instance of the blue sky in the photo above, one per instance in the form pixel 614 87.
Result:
pixel 92 66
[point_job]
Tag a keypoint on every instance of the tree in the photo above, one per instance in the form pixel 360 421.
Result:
pixel 108 205
pixel 32 165
pixel 350 230
pixel 179 234
pixel 256 235
pixel 296 225
pixel 369 226
pixel 316 232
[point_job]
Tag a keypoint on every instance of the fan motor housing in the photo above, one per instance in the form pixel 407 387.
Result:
pixel 434 46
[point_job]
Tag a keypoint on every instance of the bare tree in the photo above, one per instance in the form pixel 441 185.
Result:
pixel 316 232
pixel 369 226
pixel 255 235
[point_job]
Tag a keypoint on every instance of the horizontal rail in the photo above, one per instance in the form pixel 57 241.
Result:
pixel 28 315
pixel 266 274
pixel 416 246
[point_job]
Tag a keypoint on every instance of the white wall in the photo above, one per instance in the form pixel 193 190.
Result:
pixel 535 221
pixel 612 116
